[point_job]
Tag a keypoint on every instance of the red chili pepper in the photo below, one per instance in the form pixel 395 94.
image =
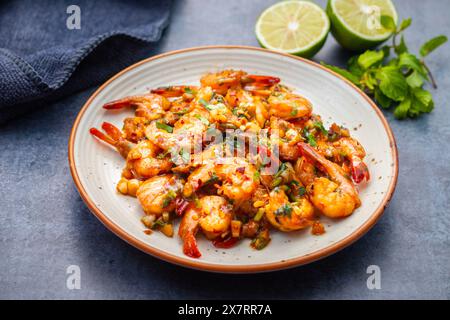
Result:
pixel 181 205
pixel 225 244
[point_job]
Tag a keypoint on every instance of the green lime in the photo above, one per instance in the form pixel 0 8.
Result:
pixel 296 27
pixel 356 25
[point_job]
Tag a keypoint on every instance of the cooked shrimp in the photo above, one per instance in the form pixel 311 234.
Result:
pixel 157 195
pixel 150 106
pixel 176 91
pixel 134 128
pixel 288 216
pixel 237 176
pixel 355 153
pixel 212 214
pixel 289 106
pixel 222 81
pixel 216 215
pixel 141 158
pixel 187 231
pixel 336 196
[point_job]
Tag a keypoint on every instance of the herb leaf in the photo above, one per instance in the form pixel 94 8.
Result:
pixel 432 45
pixel 392 83
pixel 404 25
pixel 388 22
pixel 369 58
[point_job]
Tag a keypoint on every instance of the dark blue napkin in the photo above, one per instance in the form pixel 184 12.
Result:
pixel 42 58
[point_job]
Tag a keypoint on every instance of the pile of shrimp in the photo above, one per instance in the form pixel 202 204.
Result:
pixel 317 169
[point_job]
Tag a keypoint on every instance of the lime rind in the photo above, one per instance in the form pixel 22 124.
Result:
pixel 350 38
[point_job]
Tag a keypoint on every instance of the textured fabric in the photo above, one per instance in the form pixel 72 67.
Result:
pixel 40 57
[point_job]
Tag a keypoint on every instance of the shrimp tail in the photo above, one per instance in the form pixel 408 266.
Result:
pixel 100 135
pixel 117 104
pixel 360 171
pixel 190 247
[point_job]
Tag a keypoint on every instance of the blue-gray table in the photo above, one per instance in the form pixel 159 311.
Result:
pixel 45 226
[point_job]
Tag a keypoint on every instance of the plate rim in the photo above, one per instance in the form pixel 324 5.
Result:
pixel 244 268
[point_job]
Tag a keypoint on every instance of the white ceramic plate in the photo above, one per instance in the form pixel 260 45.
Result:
pixel 96 167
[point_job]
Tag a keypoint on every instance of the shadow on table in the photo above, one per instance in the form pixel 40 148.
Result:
pixel 115 265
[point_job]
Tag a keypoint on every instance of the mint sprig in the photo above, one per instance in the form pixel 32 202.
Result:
pixel 396 80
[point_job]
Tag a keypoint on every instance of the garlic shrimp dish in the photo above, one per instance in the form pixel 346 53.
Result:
pixel 237 156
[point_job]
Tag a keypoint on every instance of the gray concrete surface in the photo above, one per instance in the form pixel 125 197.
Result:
pixel 45 226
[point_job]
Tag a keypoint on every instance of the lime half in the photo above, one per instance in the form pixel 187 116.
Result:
pixel 356 25
pixel 296 27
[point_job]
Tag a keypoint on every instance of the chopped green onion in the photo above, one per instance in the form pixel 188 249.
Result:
pixel 164 126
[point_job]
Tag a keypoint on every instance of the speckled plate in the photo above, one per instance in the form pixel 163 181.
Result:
pixel 96 167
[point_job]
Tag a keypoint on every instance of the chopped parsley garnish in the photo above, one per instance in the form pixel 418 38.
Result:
pixel 281 169
pixel 158 223
pixel 284 210
pixel 309 137
pixel 213 178
pixel 163 126
pixel 294 111
pixel 319 125
pixel 301 191
pixel 188 90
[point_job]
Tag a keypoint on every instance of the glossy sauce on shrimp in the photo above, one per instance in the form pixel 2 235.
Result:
pixel 282 168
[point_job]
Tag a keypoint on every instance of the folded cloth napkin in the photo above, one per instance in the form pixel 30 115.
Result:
pixel 52 48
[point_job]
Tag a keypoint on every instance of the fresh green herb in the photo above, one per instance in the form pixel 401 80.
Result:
pixel 170 196
pixel 276 182
pixel 319 125
pixel 281 169
pixel 203 102
pixel 163 126
pixel 182 112
pixel 202 119
pixel 294 111
pixel 301 191
pixel 212 179
pixel 309 137
pixel 397 81
pixel 158 224
pixel 261 240
pixel 284 210
pixel 256 176
pixel 188 90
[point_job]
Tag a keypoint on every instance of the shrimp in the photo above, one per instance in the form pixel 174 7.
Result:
pixel 289 106
pixel 288 216
pixel 150 106
pixel 336 196
pixel 237 176
pixel 188 229
pixel 176 91
pixel 158 194
pixel 221 82
pixel 134 128
pixel 215 217
pixel 355 153
pixel 212 215
pixel 141 158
